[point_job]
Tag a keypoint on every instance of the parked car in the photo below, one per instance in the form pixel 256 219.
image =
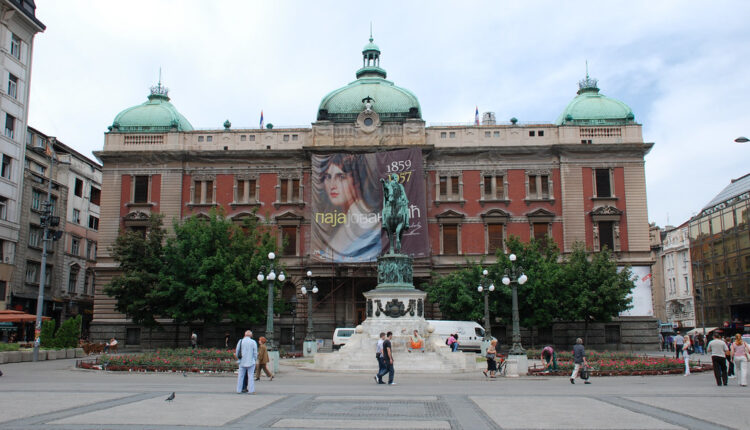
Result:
pixel 470 334
pixel 340 336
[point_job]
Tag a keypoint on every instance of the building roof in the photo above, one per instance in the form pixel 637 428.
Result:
pixel 391 102
pixel 592 107
pixel 28 7
pixel 736 188
pixel 157 115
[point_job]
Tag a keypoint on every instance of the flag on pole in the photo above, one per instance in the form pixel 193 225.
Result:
pixel 261 119
pixel 646 278
pixel 476 116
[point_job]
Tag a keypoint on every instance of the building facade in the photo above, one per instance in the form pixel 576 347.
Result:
pixel 18 26
pixel 720 255
pixel 677 275
pixel 579 179
pixel 71 256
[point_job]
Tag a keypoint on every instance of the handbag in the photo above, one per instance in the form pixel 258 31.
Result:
pixel 584 372
pixel 239 355
pixel 490 356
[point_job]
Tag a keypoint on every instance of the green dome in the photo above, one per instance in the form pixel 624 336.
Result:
pixel 591 108
pixel 390 102
pixel 157 115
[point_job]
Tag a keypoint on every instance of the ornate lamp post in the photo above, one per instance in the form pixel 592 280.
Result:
pixel 483 287
pixel 515 276
pixel 293 302
pixel 271 277
pixel 309 287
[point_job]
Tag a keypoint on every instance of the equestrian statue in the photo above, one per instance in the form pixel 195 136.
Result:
pixel 395 211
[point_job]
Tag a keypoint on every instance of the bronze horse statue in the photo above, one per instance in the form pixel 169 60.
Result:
pixel 395 211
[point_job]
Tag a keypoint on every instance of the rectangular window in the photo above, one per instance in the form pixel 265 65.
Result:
pixel 452 134
pixel 96 196
pixel 5 168
pixel 78 188
pixel 251 137
pixel 539 187
pixel 73 279
pixel 246 189
pixel 494 188
pixel 450 239
pixel 75 246
pixel 286 138
pixel 209 138
pixel 140 190
pixel 90 250
pixel 93 222
pixel 76 216
pixel 295 137
pixel 203 192
pixel 494 238
pixel 284 193
pixel 3 207
pixel 32 272
pixel 289 238
pixel 243 138
pixel 443 135
pixel 541 229
pixel 200 138
pixel 13 86
pixel 3 286
pixel 10 125
pixel 487 134
pixel 35 237
pixel 36 200
pixel 450 188
pixel 540 133
pixel 496 134
pixel 603 185
pixel 532 133
pixel 15 47
pixel 86 283
pixel 606 235
pixel 289 190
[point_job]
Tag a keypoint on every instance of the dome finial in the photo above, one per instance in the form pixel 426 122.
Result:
pixel 371 60
pixel 159 90
pixel 370 31
pixel 587 84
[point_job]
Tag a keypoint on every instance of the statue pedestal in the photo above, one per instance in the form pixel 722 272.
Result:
pixel 309 348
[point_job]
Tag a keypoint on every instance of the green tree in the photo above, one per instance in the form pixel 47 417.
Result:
pixel 141 258
pixel 595 289
pixel 69 333
pixel 456 293
pixel 47 335
pixel 210 270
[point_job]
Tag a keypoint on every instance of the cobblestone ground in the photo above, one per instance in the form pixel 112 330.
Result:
pixel 55 395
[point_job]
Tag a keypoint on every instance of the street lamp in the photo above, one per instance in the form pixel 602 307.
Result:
pixel 309 287
pixel 484 288
pixel 293 302
pixel 515 276
pixel 47 220
pixel 271 277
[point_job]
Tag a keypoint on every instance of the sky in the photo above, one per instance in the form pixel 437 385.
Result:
pixel 682 66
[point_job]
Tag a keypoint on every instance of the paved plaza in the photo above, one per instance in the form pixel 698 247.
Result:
pixel 55 395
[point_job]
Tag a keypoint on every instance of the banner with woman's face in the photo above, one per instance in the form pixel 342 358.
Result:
pixel 347 201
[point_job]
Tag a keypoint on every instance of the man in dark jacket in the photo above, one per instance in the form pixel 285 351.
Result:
pixel 579 359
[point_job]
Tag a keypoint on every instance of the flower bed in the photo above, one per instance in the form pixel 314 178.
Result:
pixel 168 360
pixel 607 363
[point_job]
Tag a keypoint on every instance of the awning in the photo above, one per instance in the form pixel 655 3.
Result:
pixel 699 330
pixel 18 316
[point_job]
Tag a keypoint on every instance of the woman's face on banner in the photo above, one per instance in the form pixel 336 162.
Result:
pixel 339 186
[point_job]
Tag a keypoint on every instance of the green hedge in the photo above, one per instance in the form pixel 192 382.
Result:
pixel 66 337
pixel 8 347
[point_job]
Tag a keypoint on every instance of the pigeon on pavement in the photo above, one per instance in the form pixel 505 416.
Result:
pixel 170 398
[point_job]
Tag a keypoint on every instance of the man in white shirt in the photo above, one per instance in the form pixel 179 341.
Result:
pixel 718 350
pixel 381 359
pixel 678 342
pixel 247 354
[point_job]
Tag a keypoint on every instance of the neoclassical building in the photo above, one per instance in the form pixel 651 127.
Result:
pixel 578 179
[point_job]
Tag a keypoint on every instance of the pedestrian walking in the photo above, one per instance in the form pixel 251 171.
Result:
pixel 686 345
pixel 491 359
pixel 246 354
pixel 718 349
pixel 669 343
pixel 740 356
pixel 263 360
pixel 579 359
pixel 194 340
pixel 382 368
pixel 730 363
pixel 679 341
pixel 388 352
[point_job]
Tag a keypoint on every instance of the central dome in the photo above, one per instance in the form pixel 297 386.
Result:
pixel 157 115
pixel 590 107
pixel 392 103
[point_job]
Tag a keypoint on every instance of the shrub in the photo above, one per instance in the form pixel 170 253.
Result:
pixel 46 337
pixel 8 347
pixel 68 334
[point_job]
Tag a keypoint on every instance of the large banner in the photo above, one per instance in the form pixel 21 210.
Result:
pixel 347 201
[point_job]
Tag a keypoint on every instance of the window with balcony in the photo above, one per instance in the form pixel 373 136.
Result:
pixel 13 85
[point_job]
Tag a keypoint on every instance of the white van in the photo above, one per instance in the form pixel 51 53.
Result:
pixel 340 336
pixel 470 334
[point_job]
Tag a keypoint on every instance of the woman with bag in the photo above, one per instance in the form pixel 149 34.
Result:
pixel 740 353
pixel 491 362
pixel 686 354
